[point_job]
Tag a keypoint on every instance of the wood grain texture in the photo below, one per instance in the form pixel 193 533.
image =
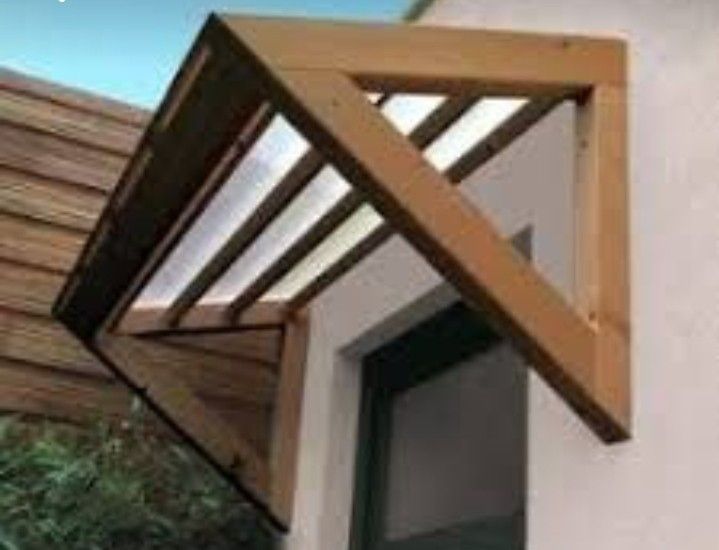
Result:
pixel 27 289
pixel 49 201
pixel 433 59
pixel 177 181
pixel 287 414
pixel 135 361
pixel 80 127
pixel 73 98
pixel 41 341
pixel 53 184
pixel 467 164
pixel 49 393
pixel 38 244
pixel 257 344
pixel 425 133
pixel 22 148
pixel 602 271
pixel 454 236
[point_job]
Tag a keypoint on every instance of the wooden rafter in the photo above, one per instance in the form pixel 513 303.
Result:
pixel 204 317
pixel 432 127
pixel 429 59
pixel 243 71
pixel 292 183
pixel 471 161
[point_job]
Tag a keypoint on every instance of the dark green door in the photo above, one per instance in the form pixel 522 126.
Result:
pixel 442 449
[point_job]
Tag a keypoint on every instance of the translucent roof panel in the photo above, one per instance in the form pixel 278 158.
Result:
pixel 270 158
pixel 407 111
pixel 470 129
pixel 279 147
pixel 358 226
pixel 294 221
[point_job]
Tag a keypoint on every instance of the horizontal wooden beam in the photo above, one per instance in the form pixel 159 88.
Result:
pixel 433 59
pixel 467 164
pixel 204 318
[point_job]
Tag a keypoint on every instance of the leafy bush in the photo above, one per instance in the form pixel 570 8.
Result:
pixel 114 487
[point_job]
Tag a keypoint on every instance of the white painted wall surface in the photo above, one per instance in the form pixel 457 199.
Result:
pixel 660 490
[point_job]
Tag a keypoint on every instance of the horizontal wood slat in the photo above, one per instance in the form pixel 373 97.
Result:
pixel 50 393
pixel 41 245
pixel 83 128
pixel 49 201
pixel 61 152
pixel 467 164
pixel 41 341
pixel 433 59
pixel 258 344
pixel 55 158
pixel 73 98
pixel 28 290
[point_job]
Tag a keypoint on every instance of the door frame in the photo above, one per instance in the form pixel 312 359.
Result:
pixel 433 346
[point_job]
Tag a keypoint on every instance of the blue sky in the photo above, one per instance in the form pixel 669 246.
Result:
pixel 129 49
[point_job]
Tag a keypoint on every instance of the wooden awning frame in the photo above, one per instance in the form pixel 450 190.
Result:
pixel 317 74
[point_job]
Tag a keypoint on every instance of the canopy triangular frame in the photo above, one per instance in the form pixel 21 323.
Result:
pixel 237 68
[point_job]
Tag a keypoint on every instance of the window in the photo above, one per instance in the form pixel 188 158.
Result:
pixel 442 447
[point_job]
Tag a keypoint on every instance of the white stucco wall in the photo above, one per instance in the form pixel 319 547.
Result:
pixel 658 491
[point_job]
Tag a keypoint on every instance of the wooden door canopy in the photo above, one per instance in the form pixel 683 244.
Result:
pixel 288 150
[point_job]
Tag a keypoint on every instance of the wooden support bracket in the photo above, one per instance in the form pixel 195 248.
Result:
pixel 240 74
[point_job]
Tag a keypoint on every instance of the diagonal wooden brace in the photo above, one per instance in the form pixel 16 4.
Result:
pixel 456 238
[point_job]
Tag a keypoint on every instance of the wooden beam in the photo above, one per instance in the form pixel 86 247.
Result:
pixel 502 136
pixel 344 264
pixel 286 432
pixel 248 133
pixel 467 164
pixel 451 234
pixel 204 318
pixel 433 59
pixel 602 237
pixel 299 249
pixel 260 344
pixel 132 360
pixel 289 187
pixel 298 177
pixel 145 218
pixel 292 183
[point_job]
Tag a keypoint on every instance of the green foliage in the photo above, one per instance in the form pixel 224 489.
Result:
pixel 114 487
